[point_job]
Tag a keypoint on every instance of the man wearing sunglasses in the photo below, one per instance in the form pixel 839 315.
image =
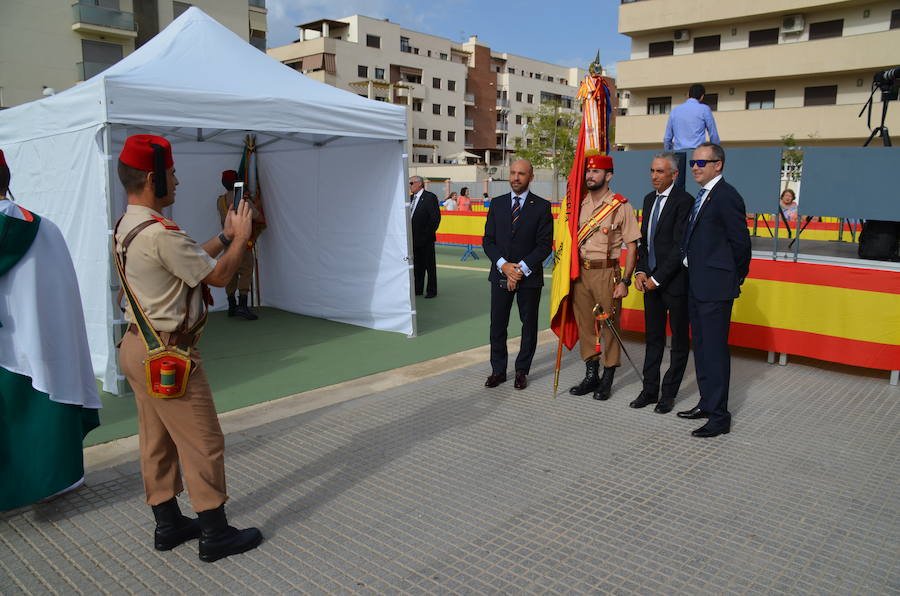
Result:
pixel 716 252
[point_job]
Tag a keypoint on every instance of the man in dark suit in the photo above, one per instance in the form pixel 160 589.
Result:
pixel 518 236
pixel 716 251
pixel 426 217
pixel 663 280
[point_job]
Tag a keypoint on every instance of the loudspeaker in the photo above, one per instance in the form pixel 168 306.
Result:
pixel 878 240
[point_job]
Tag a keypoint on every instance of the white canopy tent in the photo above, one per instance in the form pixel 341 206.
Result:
pixel 332 171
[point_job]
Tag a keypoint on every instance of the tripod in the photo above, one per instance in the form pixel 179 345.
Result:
pixel 887 94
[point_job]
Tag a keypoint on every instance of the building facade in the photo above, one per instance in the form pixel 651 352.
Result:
pixel 462 97
pixel 771 68
pixel 54 44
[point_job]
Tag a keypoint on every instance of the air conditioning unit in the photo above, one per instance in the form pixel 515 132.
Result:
pixel 792 23
pixel 682 35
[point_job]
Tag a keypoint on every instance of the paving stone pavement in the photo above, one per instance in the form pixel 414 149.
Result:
pixel 441 486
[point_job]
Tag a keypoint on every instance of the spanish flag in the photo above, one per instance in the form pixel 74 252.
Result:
pixel 593 139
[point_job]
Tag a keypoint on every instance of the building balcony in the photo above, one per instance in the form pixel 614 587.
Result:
pixel 838 55
pixel 469 98
pixel 87 70
pixel 89 18
pixel 258 43
pixel 502 126
pixel 470 124
pixel 502 103
pixel 815 124
pixel 468 144
pixel 257 3
pixel 647 17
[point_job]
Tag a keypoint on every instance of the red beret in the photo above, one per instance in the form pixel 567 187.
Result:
pixel 598 162
pixel 2 159
pixel 229 176
pixel 138 152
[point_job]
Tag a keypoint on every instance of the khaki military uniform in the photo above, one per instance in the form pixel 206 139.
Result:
pixel 600 272
pixel 243 277
pixel 178 435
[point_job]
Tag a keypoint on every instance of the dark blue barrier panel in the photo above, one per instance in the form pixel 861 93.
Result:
pixel 852 182
pixel 632 175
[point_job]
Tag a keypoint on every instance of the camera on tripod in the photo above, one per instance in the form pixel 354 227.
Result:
pixel 887 81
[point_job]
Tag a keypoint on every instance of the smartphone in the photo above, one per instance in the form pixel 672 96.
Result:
pixel 238 194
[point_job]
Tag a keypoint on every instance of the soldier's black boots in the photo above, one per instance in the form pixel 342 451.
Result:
pixel 604 388
pixel 218 539
pixel 232 305
pixel 590 381
pixel 172 528
pixel 243 310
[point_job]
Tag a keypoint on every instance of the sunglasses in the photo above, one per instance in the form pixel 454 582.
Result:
pixel 701 163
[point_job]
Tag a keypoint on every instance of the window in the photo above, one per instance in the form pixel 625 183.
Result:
pixel 379 74
pixel 659 105
pixel 429 53
pixel 362 71
pixel 435 135
pixel 451 85
pixel 530 98
pixel 518 118
pixel 436 109
pixel 499 139
pixel 764 37
pixel 451 110
pixel 761 100
pixel 662 48
pixel 404 45
pixel 528 119
pixel 177 7
pixel 512 70
pixel 444 56
pixel 423 134
pixel 708 43
pixel 417 105
pixel 895 19
pixel 563 82
pixel 436 83
pixel 712 100
pixel 451 136
pixel 826 29
pixel 422 158
pixel 537 75
pixel 373 41
pixel 518 96
pixel 98 56
pixel 820 96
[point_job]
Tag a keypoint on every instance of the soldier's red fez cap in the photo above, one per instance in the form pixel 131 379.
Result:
pixel 229 176
pixel 138 152
pixel 2 158
pixel 599 162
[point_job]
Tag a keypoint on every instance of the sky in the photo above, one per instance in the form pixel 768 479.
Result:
pixel 567 33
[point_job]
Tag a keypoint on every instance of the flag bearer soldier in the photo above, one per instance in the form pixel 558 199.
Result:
pixel 606 221
pixel 166 275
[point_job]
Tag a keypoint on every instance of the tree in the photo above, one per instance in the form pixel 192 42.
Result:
pixel 791 158
pixel 553 133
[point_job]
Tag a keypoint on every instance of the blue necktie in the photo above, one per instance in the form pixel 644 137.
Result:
pixel 697 202
pixel 654 218
pixel 516 210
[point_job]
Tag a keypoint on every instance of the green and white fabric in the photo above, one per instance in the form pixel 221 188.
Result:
pixel 48 396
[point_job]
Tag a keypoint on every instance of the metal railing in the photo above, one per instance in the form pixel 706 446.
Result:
pixel 470 123
pixel 257 3
pixel 106 17
pixel 470 97
pixel 502 126
pixel 503 103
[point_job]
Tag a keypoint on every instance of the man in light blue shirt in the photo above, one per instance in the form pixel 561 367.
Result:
pixel 687 128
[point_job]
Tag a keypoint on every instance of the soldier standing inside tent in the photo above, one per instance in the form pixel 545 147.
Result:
pixel 163 267
pixel 241 281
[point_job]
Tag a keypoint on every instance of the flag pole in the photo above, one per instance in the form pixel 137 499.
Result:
pixel 559 346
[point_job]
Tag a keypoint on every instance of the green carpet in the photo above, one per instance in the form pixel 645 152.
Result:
pixel 284 353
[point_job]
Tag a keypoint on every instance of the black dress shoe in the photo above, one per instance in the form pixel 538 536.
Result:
pixel 494 380
pixel 431 295
pixel 664 406
pixel 693 414
pixel 644 399
pixel 521 380
pixel 707 431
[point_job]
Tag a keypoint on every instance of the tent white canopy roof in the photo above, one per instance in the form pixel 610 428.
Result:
pixel 194 74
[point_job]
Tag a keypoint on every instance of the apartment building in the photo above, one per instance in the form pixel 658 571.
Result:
pixel 462 97
pixel 54 44
pixel 771 67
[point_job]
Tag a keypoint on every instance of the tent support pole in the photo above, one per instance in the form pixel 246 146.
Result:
pixel 409 246
pixel 117 329
pixel 177 133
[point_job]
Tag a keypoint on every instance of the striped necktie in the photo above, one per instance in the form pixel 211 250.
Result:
pixel 654 219
pixel 516 211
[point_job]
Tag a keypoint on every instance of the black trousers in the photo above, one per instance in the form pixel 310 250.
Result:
pixel 424 262
pixel 658 306
pixel 528 300
pixel 710 323
pixel 681 159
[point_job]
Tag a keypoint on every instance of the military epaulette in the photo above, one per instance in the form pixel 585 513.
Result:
pixel 28 215
pixel 167 223
pixel 620 198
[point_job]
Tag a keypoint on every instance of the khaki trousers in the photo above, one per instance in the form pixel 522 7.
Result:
pixel 243 276
pixel 595 286
pixel 177 435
